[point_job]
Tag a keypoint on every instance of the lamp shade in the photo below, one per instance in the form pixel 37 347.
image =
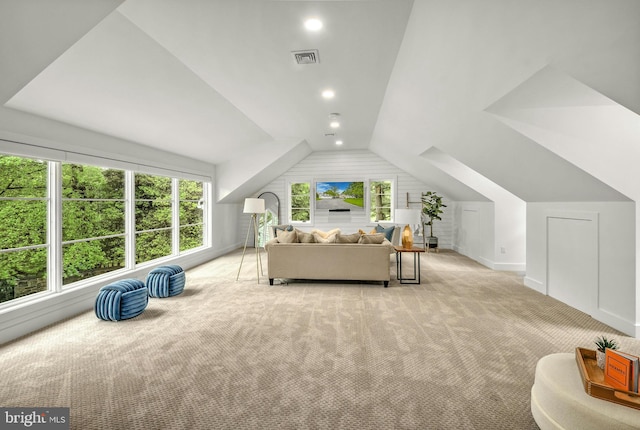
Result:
pixel 407 216
pixel 254 206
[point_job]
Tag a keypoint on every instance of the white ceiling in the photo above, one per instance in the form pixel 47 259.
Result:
pixel 211 78
pixel 214 80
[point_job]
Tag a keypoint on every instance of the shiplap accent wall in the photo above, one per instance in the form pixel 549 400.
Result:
pixel 353 166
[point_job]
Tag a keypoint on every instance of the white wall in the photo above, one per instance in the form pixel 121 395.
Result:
pixel 354 165
pixel 473 231
pixel 615 230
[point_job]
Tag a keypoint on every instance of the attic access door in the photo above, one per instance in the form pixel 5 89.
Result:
pixel 572 259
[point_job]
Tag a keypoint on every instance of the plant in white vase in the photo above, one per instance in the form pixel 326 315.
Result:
pixel 602 343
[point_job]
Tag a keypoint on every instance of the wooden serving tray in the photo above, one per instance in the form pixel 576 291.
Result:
pixel 593 381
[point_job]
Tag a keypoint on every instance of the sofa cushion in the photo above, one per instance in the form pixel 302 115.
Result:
pixel 377 238
pixel 286 236
pixel 348 238
pixel 388 232
pixel 328 239
pixel 304 237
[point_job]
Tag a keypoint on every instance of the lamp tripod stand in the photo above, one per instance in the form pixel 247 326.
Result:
pixel 253 206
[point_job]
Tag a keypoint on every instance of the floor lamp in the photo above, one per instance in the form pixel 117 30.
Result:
pixel 253 207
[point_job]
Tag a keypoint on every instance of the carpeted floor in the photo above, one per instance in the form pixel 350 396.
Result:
pixel 456 352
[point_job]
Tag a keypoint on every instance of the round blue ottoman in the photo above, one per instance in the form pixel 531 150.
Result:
pixel 166 281
pixel 121 300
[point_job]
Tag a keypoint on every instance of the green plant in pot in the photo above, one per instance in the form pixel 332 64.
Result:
pixel 602 343
pixel 431 209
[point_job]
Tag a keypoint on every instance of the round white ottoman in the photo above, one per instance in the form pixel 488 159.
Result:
pixel 558 400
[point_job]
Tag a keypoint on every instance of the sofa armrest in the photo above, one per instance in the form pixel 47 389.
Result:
pixel 270 243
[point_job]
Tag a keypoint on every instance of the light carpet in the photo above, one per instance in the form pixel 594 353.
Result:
pixel 456 352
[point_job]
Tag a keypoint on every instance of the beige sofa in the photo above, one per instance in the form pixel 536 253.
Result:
pixel 331 261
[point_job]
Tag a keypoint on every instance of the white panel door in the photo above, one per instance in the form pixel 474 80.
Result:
pixel 572 262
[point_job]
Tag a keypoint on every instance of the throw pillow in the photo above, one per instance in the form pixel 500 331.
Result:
pixel 304 237
pixel 282 227
pixel 320 239
pixel 372 238
pixel 326 234
pixel 347 238
pixel 388 232
pixel 285 236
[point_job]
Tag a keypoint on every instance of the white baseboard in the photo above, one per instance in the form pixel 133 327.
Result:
pixel 614 321
pixel 535 285
pixel 511 267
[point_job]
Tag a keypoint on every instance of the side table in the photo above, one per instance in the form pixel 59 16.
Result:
pixel 416 264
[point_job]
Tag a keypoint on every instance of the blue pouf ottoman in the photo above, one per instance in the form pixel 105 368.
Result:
pixel 166 281
pixel 121 300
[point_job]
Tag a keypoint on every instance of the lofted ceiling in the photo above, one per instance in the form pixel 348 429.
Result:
pixel 215 80
pixel 217 77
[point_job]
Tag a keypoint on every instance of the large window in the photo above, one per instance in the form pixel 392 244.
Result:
pixel 93 227
pixel 65 222
pixel 191 214
pixel 23 216
pixel 300 210
pixel 153 217
pixel 381 198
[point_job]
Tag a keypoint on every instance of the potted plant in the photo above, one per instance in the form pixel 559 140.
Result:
pixel 431 209
pixel 603 343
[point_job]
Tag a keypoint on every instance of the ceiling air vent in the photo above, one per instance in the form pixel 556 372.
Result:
pixel 309 56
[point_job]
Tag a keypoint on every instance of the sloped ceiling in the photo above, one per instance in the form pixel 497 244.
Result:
pixel 460 57
pixel 215 80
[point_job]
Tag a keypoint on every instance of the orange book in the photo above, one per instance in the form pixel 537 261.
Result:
pixel 621 370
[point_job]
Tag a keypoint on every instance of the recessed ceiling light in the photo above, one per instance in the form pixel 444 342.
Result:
pixel 338 142
pixel 334 124
pixel 328 94
pixel 313 24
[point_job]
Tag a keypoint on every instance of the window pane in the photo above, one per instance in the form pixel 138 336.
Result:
pixel 152 245
pixel 22 177
pixel 86 219
pixel 22 273
pixel 381 199
pixel 153 215
pixel 300 188
pixel 151 187
pixel 190 213
pixel 190 190
pixel 191 237
pixel 299 215
pixel 91 182
pixel 27 220
pixel 300 205
pixel 83 260
pixel 381 214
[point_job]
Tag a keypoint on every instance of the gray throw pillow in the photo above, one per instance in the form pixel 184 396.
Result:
pixel 348 238
pixel 372 238
pixel 304 237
